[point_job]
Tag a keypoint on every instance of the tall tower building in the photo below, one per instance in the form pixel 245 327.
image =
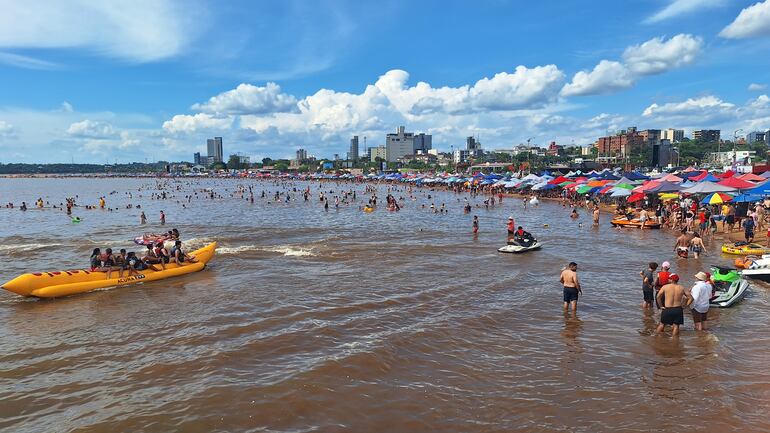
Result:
pixel 353 153
pixel 214 148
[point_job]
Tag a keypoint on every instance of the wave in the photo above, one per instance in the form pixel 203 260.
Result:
pixel 285 250
pixel 24 247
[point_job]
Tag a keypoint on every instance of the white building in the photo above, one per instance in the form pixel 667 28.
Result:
pixel 672 135
pixel 399 144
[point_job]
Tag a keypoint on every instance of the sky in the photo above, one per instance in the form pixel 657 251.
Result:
pixel 146 80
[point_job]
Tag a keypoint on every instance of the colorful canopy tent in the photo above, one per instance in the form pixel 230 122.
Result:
pixel 737 183
pixel 620 192
pixel 716 198
pixel 726 175
pixel 751 177
pixel 665 186
pixel 632 175
pixel 707 187
pixel 766 175
pixel 636 197
pixel 671 178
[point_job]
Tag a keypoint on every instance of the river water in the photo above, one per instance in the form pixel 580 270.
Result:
pixel 339 320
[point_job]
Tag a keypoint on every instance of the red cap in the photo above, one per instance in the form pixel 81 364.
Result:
pixel 674 277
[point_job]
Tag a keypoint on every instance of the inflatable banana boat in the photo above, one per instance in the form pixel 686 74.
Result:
pixel 634 223
pixel 744 249
pixel 64 283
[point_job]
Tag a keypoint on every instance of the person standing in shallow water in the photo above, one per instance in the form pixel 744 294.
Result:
pixel 671 297
pixel 162 218
pixel 572 289
pixel 475 224
pixel 142 218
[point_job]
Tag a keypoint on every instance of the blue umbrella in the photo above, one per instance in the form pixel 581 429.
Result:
pixel 747 198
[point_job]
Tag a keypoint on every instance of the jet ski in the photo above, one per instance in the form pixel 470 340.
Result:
pixel 520 245
pixel 730 287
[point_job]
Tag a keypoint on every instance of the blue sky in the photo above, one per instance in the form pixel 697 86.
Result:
pixel 146 80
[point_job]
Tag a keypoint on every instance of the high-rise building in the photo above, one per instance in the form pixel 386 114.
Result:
pixel 353 153
pixel 214 147
pixel 301 155
pixel 707 135
pixel 399 144
pixel 422 143
pixel 471 144
pixel 672 135
pixel 756 136
pixel 197 158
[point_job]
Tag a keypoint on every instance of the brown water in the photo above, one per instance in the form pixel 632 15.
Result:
pixel 309 320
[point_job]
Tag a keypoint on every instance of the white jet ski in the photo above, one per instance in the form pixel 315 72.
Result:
pixel 516 247
pixel 730 287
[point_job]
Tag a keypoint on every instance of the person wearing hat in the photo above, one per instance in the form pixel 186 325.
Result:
pixel 511 226
pixel 671 297
pixel 701 294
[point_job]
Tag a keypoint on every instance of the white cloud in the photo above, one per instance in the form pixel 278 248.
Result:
pixel 756 87
pixel 249 99
pixel 706 106
pixel 606 77
pixel 94 129
pixel 680 7
pixel 658 55
pixel 133 30
pixel 525 88
pixel 26 62
pixel 654 56
pixel 66 107
pixel 7 130
pixel 751 22
pixel 184 123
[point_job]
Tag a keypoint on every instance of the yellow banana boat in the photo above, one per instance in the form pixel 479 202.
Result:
pixel 744 249
pixel 64 283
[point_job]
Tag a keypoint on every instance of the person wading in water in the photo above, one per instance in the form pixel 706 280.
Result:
pixel 572 290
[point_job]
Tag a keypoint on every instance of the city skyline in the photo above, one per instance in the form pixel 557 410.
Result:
pixel 111 89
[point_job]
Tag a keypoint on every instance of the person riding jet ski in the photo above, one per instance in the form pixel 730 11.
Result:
pixel 523 238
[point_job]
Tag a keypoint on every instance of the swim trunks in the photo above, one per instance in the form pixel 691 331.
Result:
pixel 672 316
pixel 570 294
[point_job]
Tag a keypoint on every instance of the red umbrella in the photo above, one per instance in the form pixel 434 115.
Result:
pixel 635 197
pixel 727 174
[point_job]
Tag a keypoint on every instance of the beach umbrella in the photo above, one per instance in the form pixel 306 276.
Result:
pixel 668 195
pixel 727 174
pixel 707 187
pixel 563 184
pixel 716 198
pixel 766 175
pixel 636 197
pixel 747 198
